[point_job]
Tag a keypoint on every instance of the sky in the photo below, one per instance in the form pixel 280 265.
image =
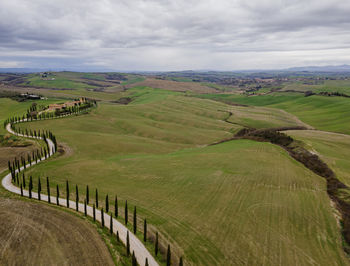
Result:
pixel 162 35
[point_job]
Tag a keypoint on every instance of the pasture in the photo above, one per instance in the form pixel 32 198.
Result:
pixel 321 112
pixel 238 202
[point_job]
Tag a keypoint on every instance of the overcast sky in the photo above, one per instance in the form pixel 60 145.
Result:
pixel 174 34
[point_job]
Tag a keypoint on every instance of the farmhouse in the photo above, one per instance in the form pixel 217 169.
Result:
pixel 55 106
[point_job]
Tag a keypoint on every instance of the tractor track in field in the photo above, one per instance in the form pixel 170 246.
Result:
pixel 141 252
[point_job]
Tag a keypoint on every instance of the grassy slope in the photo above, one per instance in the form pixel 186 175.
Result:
pixel 10 108
pixel 325 113
pixel 59 82
pixel 342 86
pixel 333 148
pixel 224 204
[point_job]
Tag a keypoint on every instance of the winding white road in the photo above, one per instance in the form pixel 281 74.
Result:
pixel 136 245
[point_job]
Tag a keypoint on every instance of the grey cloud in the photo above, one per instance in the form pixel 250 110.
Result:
pixel 178 34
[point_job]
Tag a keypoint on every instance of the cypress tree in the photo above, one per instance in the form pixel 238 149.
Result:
pixel 156 245
pixel 107 204
pixel 21 190
pixel 13 175
pixel 76 198
pixel 145 230
pixel 117 236
pixel 111 224
pixel 30 186
pixel 181 262
pixel 146 262
pixel 94 211
pixel 48 189
pixel 135 220
pixel 168 256
pixel 85 209
pixel 127 243
pixel 126 212
pixel 87 194
pixel 102 218
pixel 134 262
pixel 96 196
pixel 57 195
pixel 116 206
pixel 67 193
pixel 24 181
pixel 39 188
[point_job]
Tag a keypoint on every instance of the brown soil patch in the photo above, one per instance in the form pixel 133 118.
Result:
pixel 64 149
pixel 36 234
pixel 9 154
pixel 174 85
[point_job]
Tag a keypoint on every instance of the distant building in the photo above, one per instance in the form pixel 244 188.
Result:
pixel 30 96
pixel 55 106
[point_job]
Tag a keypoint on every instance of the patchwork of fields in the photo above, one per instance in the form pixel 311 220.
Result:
pixel 235 202
pixel 238 202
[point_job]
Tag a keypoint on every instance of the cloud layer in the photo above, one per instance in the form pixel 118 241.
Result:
pixel 174 35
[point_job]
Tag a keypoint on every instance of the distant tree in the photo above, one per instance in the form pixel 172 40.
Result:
pixel 94 212
pixel 126 212
pixel 134 262
pixel 181 262
pixel 145 230
pixel 156 245
pixel 24 181
pixel 117 236
pixel 85 209
pixel 146 262
pixel 67 193
pixel 111 223
pixel 168 256
pixel 102 218
pixel 127 243
pixel 116 206
pixel 21 190
pixel 87 194
pixel 135 220
pixel 57 195
pixel 30 186
pixel 76 198
pixel 48 189
pixel 96 197
pixel 39 188
pixel 107 204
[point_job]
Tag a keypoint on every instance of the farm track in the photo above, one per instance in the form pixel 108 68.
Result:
pixel 141 252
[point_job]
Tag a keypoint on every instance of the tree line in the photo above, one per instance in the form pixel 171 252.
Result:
pixel 114 212
pixel 36 156
pixel 33 113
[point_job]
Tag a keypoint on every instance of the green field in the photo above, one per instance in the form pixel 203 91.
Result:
pixel 239 202
pixel 342 86
pixel 10 108
pixel 333 148
pixel 55 81
pixel 324 113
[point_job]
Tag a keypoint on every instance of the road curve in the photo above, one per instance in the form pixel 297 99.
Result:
pixel 136 245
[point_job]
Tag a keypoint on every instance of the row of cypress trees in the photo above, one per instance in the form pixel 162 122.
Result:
pixel 35 156
pixel 45 152
pixel 33 115
pixel 106 210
